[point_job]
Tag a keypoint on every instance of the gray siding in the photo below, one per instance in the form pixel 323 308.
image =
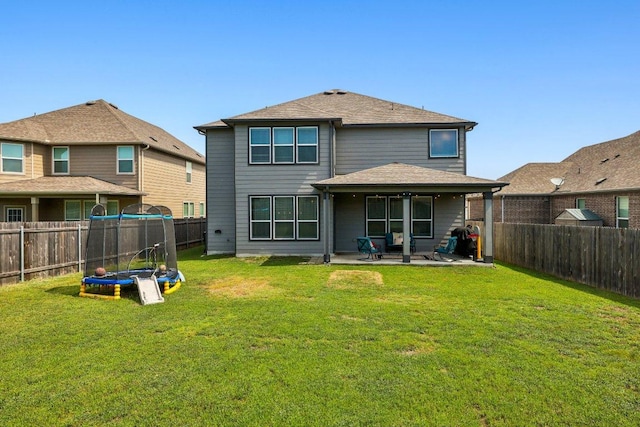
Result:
pixel 363 148
pixel 350 219
pixel 220 192
pixel 270 180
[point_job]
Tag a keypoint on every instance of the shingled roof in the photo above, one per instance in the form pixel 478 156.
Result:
pixel 66 185
pixel 400 174
pixel 347 109
pixel 95 123
pixel 607 166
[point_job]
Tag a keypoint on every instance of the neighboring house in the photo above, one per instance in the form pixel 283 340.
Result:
pixel 56 166
pixel 602 178
pixel 308 176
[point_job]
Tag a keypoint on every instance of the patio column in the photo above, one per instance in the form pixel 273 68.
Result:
pixel 406 227
pixel 35 204
pixel 487 243
pixel 325 227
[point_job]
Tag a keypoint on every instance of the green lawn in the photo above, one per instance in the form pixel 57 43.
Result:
pixel 276 342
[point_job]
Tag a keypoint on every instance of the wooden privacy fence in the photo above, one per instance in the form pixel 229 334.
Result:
pixel 601 257
pixel 41 249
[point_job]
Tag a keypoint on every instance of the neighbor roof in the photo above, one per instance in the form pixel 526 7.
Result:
pixel 604 167
pixel 65 185
pixel 346 108
pixel 95 122
pixel 403 175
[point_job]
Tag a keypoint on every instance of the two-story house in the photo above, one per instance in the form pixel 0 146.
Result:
pixel 600 179
pixel 56 166
pixel 306 177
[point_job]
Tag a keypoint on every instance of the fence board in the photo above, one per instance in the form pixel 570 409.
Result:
pixel 601 257
pixel 53 248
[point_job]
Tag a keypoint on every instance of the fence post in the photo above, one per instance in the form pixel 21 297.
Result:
pixel 22 253
pixel 79 247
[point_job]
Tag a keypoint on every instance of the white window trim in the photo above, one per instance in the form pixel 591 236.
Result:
pixel 389 218
pixel 289 221
pixel 53 160
pixel 22 210
pixel 3 157
pixel 298 144
pixel 251 161
pixel 368 220
pixel 117 202
pixel 618 217
pixel 132 159
pixel 292 145
pixel 296 221
pixel 456 155
pixel 203 209
pixel 414 219
pixel 191 209
pixel 189 171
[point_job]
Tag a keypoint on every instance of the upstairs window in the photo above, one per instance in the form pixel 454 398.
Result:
pixel 283 145
pixel 125 159
pixel 60 160
pixel 581 203
pixel 622 212
pixel 443 143
pixel 189 168
pixel 12 157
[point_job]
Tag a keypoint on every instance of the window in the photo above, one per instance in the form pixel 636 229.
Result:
pixel 307 144
pixel 14 214
pixel 283 145
pixel 386 215
pixel 12 157
pixel 72 210
pixel 622 212
pixel 581 203
pixel 125 159
pixel 203 212
pixel 284 218
pixel 443 143
pixel 189 168
pixel 60 160
pixel 422 216
pixel 88 205
pixel 260 145
pixel 188 209
pixel 113 207
pixel 260 218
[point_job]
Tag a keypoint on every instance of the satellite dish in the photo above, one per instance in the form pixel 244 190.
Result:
pixel 557 181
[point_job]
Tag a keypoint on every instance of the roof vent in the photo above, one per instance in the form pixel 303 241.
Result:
pixel 329 92
pixel 91 102
pixel 616 156
pixel 153 139
pixel 341 92
pixel 600 181
pixel 176 147
pixel 114 106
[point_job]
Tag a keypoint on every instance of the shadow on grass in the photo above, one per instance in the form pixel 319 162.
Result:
pixel 279 261
pixel 603 293
pixel 126 292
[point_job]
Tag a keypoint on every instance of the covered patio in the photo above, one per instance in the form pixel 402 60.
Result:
pixel 344 216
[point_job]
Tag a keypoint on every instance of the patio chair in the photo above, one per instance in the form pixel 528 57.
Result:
pixel 366 246
pixel 448 249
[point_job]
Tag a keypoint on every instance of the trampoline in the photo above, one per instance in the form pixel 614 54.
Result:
pixel 122 250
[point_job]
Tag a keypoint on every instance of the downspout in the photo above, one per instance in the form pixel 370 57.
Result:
pixel 502 209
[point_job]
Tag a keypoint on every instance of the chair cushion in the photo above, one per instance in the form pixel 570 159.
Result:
pixel 397 238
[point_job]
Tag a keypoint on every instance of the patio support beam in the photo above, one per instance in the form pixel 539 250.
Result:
pixel 488 227
pixel 406 227
pixel 325 226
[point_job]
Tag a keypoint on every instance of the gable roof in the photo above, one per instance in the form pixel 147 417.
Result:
pixel 403 175
pixel 534 178
pixel 347 109
pixel 95 122
pixel 65 185
pixel 604 167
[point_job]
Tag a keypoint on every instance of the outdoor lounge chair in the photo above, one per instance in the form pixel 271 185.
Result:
pixel 366 246
pixel 448 249
pixel 391 245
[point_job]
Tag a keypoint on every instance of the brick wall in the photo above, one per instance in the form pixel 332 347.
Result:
pixel 603 204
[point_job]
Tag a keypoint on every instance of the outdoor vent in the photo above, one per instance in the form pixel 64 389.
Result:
pixel 341 92
pixel 153 139
pixel 114 106
pixel 329 92
pixel 604 160
pixel 176 147
pixel 91 102
pixel 601 180
pixel 616 156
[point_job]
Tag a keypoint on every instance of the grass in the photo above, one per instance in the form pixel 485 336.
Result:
pixel 275 341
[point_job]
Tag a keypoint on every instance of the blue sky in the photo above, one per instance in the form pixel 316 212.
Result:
pixel 541 78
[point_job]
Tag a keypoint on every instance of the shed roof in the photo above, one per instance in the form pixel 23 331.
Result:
pixel 95 122
pixel 346 108
pixel 580 215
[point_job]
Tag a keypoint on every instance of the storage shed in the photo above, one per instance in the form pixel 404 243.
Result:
pixel 583 217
